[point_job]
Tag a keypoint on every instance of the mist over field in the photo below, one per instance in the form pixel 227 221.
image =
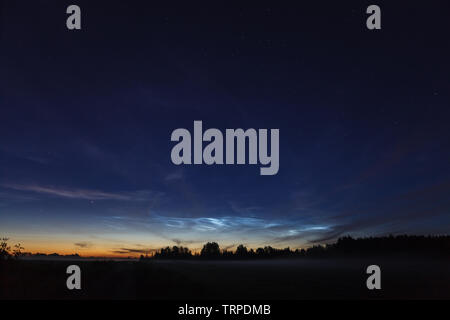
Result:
pixel 267 279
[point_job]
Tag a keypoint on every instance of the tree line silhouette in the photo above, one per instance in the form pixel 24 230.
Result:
pixel 344 246
pixel 5 250
pixel 6 253
pixel 438 246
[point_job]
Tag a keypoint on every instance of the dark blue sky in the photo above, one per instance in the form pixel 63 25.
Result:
pixel 86 118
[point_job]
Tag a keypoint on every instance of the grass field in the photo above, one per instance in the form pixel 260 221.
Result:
pixel 255 279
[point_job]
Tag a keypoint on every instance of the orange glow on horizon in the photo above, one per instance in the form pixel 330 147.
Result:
pixel 119 247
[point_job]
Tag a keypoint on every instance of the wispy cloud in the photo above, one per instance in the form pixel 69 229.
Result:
pixel 181 242
pixel 11 196
pixel 84 194
pixel 192 230
pixel 309 233
pixel 230 246
pixel 83 244
pixel 173 176
pixel 214 223
pixel 134 250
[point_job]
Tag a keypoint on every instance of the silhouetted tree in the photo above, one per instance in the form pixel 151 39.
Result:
pixel 241 251
pixel 345 246
pixel 4 249
pixel 227 254
pixel 260 252
pixel 18 251
pixel 210 250
pixel 5 252
pixel 172 253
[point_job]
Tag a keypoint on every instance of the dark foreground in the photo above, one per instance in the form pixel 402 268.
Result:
pixel 261 279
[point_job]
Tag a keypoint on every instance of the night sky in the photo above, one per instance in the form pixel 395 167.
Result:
pixel 86 118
